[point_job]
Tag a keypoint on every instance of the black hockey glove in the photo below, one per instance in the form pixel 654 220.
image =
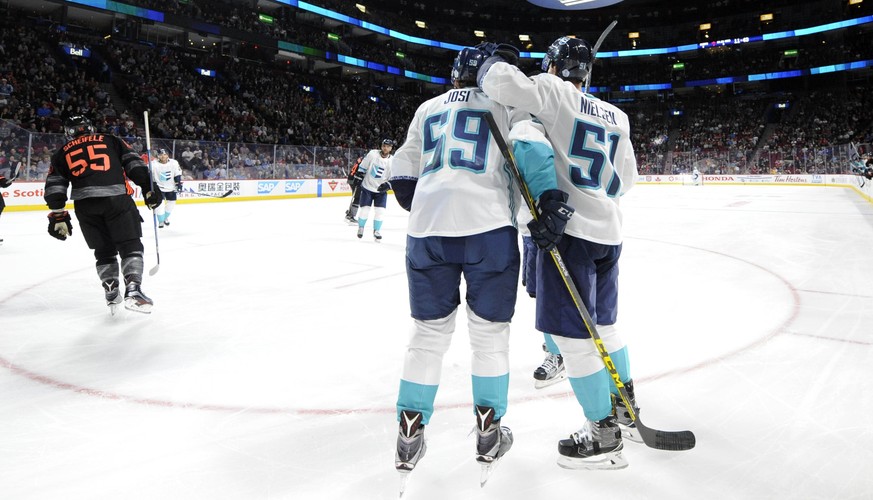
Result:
pixel 178 187
pixel 153 199
pixel 4 182
pixel 384 187
pixel 502 50
pixel 554 212
pixel 869 173
pixel 60 226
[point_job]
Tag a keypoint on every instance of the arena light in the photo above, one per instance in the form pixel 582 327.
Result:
pixel 679 66
pixel 855 2
pixel 524 38
pixel 705 26
pixel 333 36
pixel 790 53
pixel 633 34
pixel 266 19
pixel 361 7
pixel 766 17
pixel 479 33
pixel 421 24
pixel 400 55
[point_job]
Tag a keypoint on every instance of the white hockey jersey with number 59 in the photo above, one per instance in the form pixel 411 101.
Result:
pixel 463 186
pixel 594 157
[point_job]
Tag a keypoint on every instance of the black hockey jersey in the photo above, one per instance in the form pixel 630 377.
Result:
pixel 97 165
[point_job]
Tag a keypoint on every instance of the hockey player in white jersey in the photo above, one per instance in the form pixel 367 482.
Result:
pixel 376 170
pixel 167 175
pixel 595 165
pixel 451 176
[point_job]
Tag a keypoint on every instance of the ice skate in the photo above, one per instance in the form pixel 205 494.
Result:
pixel 135 300
pixel 622 417
pixel 112 294
pixel 360 232
pixel 411 445
pixel 378 236
pixel 161 225
pixel 492 441
pixel 551 371
pixel 351 220
pixel 596 446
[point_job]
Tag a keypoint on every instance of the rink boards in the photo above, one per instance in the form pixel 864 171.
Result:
pixel 29 195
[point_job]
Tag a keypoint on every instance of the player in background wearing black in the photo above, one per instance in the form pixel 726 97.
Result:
pixel 4 183
pixel 355 178
pixel 98 167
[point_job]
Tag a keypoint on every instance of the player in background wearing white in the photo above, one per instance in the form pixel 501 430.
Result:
pixel 167 175
pixel 376 170
pixel 452 178
pixel 695 176
pixel 595 165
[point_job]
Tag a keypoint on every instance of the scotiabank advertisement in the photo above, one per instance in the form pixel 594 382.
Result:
pixel 29 195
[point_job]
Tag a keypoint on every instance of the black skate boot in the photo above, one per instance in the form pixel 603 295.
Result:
pixel 112 294
pixel 492 441
pixel 411 445
pixel 134 299
pixel 551 371
pixel 622 417
pixel 598 445
pixel 378 236
pixel 410 441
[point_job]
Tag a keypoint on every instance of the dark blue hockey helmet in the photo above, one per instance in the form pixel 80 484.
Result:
pixel 467 64
pixel 77 125
pixel 571 57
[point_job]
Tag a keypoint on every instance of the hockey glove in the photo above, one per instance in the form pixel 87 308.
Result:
pixel 178 187
pixel 60 226
pixel 153 199
pixel 384 187
pixel 504 51
pixel 4 182
pixel 547 230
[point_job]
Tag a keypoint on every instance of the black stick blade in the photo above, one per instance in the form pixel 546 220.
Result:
pixel 666 440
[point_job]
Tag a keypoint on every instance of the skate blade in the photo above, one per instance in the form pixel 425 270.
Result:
pixel 607 461
pixel 487 470
pixel 630 434
pixel 404 478
pixel 113 308
pixel 539 384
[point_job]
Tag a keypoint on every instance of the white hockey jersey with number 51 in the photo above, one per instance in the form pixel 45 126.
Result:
pixel 594 157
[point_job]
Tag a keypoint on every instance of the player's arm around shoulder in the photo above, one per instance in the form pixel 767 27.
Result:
pixel 506 84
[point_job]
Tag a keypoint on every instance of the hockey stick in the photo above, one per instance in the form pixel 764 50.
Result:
pixel 223 195
pixel 661 440
pixel 15 172
pixel 594 53
pixel 148 139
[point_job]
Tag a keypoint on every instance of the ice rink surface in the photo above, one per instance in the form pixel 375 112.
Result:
pixel 269 368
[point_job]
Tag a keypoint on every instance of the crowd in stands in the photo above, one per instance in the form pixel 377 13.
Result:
pixel 251 120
